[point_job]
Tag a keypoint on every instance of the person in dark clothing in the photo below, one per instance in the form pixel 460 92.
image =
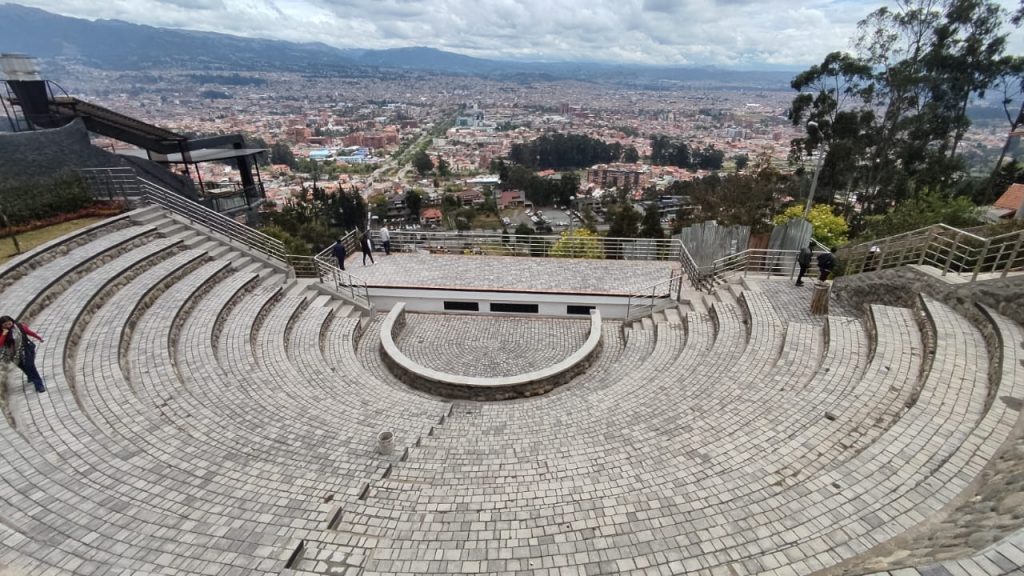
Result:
pixel 364 243
pixel 804 260
pixel 826 262
pixel 16 347
pixel 339 252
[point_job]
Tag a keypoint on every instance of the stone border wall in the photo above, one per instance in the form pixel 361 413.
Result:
pixel 480 388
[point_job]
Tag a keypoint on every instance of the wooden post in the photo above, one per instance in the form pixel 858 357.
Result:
pixel 819 298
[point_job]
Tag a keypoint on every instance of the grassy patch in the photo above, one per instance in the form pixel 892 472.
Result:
pixel 487 222
pixel 30 240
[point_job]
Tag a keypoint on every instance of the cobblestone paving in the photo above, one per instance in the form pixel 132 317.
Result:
pixel 489 346
pixel 793 303
pixel 510 273
pixel 210 421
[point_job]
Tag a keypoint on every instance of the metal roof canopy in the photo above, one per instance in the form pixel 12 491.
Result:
pixel 206 155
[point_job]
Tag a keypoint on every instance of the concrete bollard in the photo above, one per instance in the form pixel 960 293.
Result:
pixel 386 443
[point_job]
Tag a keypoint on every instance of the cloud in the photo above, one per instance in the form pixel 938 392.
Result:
pixel 697 32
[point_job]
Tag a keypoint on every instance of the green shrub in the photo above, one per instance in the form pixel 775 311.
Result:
pixel 292 245
pixel 42 199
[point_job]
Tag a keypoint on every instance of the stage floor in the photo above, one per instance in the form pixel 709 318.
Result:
pixel 510 273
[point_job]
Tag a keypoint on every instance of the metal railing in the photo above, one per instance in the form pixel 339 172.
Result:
pixel 350 241
pixel 355 288
pixel 945 248
pixel 112 183
pixel 657 296
pixel 215 221
pixel 498 244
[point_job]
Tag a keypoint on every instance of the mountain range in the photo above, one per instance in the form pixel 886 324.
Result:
pixel 118 45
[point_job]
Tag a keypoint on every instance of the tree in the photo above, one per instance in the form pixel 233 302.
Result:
pixel 922 210
pixel 650 227
pixel 630 155
pixel 422 162
pixel 741 161
pixel 580 243
pixel 379 206
pixel 564 151
pixel 826 226
pixel 523 229
pixel 588 219
pixel 253 141
pixel 443 170
pixel 281 153
pixel 625 221
pixel 1011 84
pixel 292 244
pixel 464 218
pixel 490 205
pixel 414 203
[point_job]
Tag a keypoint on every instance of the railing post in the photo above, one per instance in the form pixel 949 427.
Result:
pixel 981 259
pixel 1013 254
pixel 925 245
pixel 949 258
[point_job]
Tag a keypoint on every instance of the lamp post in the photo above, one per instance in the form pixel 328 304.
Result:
pixel 812 125
pixel 572 208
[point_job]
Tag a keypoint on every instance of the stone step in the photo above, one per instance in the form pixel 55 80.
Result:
pixel 672 315
pixel 693 300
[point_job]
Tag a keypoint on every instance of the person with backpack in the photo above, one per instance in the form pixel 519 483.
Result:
pixel 804 260
pixel 18 349
pixel 826 263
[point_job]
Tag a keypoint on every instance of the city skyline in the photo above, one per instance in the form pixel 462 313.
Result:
pixel 729 33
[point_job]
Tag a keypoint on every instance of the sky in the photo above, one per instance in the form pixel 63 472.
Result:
pixel 787 34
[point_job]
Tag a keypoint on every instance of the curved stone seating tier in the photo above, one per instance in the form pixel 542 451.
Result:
pixel 81 472
pixel 204 417
pixel 23 264
pixel 191 461
pixel 367 349
pixel 976 343
pixel 499 387
pixel 995 430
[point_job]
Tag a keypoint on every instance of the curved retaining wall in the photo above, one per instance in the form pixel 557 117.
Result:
pixel 480 388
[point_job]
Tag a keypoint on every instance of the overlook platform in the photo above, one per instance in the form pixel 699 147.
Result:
pixel 509 273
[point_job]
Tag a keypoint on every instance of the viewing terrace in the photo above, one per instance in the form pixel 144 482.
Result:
pixel 209 413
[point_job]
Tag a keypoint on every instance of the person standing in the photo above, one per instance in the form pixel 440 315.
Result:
pixel 385 239
pixel 16 347
pixel 364 243
pixel 826 262
pixel 339 252
pixel 872 260
pixel 804 260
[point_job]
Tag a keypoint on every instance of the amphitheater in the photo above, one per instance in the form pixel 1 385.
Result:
pixel 210 413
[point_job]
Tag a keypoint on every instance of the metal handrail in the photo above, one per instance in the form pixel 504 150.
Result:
pixel 113 183
pixel 499 244
pixel 644 301
pixel 948 249
pixel 213 220
pixel 343 282
pixel 349 241
pixel 764 261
